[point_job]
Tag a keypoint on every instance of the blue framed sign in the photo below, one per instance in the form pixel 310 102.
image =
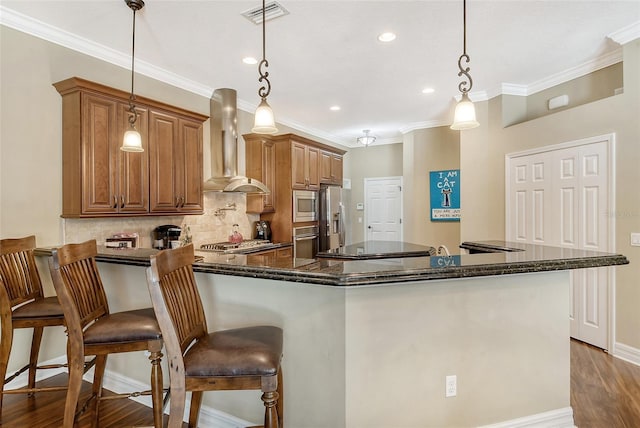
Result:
pixel 445 195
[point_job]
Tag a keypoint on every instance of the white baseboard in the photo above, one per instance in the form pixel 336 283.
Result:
pixel 627 353
pixel 209 417
pixel 559 418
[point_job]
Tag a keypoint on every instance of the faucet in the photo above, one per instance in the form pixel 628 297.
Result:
pixel 442 249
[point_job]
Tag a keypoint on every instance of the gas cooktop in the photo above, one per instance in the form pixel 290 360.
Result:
pixel 237 247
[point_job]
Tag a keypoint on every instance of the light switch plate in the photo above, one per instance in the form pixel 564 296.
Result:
pixel 635 239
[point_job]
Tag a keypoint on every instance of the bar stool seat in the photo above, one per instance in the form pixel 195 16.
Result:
pixel 47 308
pixel 23 305
pixel 94 331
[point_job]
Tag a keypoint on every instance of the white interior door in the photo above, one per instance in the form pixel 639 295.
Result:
pixel 559 196
pixel 383 209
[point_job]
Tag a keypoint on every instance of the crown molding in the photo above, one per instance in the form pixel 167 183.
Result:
pixel 423 125
pixel 626 34
pixel 42 30
pixel 596 64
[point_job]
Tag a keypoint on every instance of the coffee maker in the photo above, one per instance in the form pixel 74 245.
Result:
pixel 262 230
pixel 163 235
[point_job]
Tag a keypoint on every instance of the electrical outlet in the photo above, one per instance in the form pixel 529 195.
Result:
pixel 635 239
pixel 451 386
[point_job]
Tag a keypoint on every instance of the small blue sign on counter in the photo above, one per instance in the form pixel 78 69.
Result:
pixel 445 195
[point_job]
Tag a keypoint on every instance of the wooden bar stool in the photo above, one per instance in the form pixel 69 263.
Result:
pixel 243 358
pixel 23 305
pixel 93 330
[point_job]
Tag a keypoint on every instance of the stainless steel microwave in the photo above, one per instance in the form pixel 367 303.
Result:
pixel 305 205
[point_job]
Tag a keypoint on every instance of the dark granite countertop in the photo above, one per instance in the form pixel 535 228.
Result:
pixel 377 250
pixel 527 258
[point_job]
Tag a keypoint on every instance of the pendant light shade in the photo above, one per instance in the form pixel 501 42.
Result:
pixel 264 121
pixel 465 113
pixel 132 141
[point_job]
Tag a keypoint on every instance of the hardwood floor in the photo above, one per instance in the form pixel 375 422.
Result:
pixel 45 410
pixel 605 393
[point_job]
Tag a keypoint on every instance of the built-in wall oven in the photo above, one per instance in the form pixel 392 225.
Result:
pixel 305 242
pixel 305 205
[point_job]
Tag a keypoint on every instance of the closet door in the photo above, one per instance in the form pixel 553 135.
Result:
pixel 558 196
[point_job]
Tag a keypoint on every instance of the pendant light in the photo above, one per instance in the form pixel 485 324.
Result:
pixel 265 122
pixel 465 114
pixel 366 139
pixel 132 141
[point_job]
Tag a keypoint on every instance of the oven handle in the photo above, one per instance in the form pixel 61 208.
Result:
pixel 305 237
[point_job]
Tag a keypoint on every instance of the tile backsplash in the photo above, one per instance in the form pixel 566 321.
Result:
pixel 204 229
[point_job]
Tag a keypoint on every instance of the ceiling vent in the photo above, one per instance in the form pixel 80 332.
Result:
pixel 272 10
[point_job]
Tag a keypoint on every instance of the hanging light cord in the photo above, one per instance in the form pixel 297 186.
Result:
pixel 462 86
pixel 132 108
pixel 264 91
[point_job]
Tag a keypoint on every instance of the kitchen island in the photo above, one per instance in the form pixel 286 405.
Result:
pixel 370 343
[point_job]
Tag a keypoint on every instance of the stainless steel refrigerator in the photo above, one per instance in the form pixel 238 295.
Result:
pixel 331 220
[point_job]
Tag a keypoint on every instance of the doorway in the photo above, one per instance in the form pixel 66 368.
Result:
pixel 560 196
pixel 383 209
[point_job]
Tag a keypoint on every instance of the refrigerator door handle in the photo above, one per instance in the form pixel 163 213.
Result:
pixel 341 228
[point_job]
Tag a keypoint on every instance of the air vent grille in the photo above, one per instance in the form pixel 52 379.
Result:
pixel 272 10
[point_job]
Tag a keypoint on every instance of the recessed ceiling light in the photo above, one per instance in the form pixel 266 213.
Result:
pixel 334 108
pixel 387 37
pixel 428 91
pixel 249 60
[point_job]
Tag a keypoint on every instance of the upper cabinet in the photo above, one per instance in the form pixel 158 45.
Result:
pixel 330 168
pixel 174 155
pixel 100 180
pixel 261 165
pixel 305 166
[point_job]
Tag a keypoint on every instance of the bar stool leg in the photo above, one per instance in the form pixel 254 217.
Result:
pixel 5 351
pixel 33 358
pixel 156 383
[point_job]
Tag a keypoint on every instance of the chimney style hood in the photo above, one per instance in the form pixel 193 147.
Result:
pixel 224 147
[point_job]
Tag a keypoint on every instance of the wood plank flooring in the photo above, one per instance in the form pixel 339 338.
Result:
pixel 605 393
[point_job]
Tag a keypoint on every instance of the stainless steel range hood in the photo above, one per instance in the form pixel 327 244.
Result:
pixel 224 147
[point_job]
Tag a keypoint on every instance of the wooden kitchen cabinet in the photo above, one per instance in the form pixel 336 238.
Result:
pixel 305 166
pixel 176 153
pixel 330 168
pixel 261 165
pixel 284 163
pixel 100 180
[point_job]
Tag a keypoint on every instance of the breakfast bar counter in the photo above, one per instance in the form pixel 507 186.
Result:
pixel 370 343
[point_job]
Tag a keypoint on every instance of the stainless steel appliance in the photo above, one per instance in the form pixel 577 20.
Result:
pixel 305 205
pixel 305 242
pixel 163 235
pixel 244 247
pixel 331 220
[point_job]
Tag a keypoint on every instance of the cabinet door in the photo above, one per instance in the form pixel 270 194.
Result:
pixel 336 169
pixel 298 166
pixel 133 167
pixel 325 167
pixel 175 178
pixel 189 166
pixel 99 159
pixel 163 131
pixel 313 168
